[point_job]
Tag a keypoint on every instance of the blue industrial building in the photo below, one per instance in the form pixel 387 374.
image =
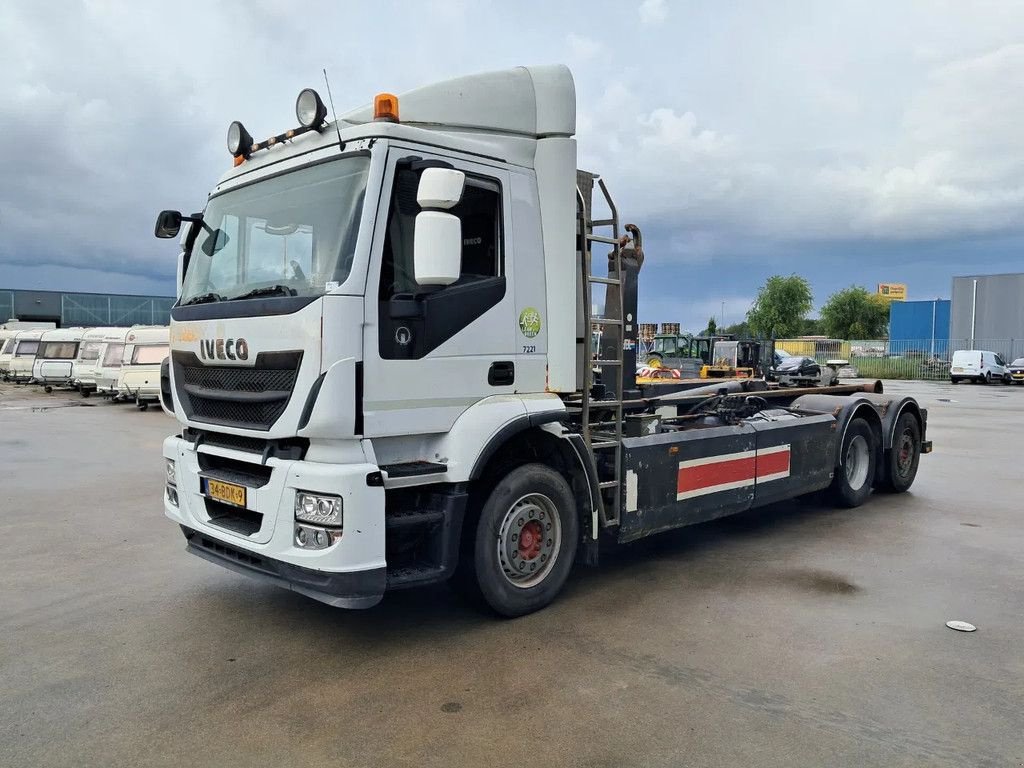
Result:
pixel 919 326
pixel 68 309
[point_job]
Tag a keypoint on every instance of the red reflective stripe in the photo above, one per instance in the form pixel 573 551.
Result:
pixel 772 463
pixel 716 473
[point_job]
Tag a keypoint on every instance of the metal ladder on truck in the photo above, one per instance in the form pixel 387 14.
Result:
pixel 601 420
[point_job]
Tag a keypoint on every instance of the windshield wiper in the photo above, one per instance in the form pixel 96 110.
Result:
pixel 203 298
pixel 270 290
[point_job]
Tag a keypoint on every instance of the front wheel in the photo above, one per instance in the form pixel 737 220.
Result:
pixel 525 540
pixel 851 485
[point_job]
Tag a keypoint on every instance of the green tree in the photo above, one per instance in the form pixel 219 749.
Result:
pixel 780 307
pixel 712 328
pixel 739 330
pixel 853 313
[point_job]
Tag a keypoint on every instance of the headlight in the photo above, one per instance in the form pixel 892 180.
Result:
pixel 309 109
pixel 319 509
pixel 169 469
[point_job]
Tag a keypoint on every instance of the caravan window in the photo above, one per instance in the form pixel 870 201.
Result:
pixel 8 347
pixel 27 348
pixel 58 350
pixel 90 351
pixel 112 357
pixel 150 354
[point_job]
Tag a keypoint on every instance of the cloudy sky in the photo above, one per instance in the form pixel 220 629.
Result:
pixel 850 142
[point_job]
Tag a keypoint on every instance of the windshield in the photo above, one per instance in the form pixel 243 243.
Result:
pixel 58 350
pixel 90 350
pixel 112 357
pixel 290 235
pixel 150 354
pixel 1018 362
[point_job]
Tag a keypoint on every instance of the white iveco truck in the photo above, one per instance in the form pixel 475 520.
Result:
pixel 381 362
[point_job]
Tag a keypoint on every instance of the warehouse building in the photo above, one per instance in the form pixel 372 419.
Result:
pixel 988 313
pixel 919 326
pixel 84 309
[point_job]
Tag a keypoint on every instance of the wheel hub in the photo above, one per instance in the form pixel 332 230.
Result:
pixel 528 540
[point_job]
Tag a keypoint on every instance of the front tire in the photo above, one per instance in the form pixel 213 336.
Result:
pixel 525 540
pixel 851 485
pixel 903 459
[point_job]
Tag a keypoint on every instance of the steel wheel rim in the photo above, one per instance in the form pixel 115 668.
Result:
pixel 905 454
pixel 857 460
pixel 528 540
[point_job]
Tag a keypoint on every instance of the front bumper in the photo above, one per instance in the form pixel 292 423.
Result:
pixel 355 589
pixel 349 573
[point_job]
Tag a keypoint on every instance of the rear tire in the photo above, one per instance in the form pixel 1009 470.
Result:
pixel 954 380
pixel 903 459
pixel 851 485
pixel 525 541
pixel 47 389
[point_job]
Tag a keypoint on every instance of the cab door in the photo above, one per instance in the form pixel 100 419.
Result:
pixel 432 352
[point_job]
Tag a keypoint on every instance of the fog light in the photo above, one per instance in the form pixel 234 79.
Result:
pixel 309 537
pixel 172 478
pixel 319 509
pixel 172 495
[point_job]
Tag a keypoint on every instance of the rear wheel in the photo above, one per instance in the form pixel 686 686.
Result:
pixel 954 380
pixel 851 485
pixel 525 541
pixel 903 458
pixel 47 389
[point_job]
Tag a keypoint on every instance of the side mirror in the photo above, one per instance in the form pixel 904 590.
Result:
pixel 437 248
pixel 168 223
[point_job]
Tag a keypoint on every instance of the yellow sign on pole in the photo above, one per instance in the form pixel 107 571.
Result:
pixel 893 291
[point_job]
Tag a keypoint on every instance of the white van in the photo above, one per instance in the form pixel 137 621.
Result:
pixel 83 370
pixel 145 349
pixel 26 344
pixel 55 357
pixel 978 365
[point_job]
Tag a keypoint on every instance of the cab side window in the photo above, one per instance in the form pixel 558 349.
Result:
pixel 437 314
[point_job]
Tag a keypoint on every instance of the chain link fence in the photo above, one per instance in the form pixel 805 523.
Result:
pixel 923 359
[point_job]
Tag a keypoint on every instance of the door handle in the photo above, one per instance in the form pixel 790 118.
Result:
pixel 502 373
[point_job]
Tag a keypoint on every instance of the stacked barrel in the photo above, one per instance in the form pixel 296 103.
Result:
pixel 670 328
pixel 647 331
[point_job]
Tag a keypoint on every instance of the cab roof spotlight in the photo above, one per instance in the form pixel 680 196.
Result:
pixel 310 109
pixel 239 141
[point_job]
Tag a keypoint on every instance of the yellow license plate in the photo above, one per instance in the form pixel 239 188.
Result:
pixel 226 492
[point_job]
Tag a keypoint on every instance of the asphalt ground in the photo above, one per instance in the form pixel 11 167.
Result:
pixel 801 635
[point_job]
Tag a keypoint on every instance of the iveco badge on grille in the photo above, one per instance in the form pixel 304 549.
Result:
pixel 223 349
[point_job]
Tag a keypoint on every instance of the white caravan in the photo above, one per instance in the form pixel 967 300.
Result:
pixel 55 357
pixel 23 356
pixel 83 371
pixel 7 341
pixel 108 367
pixel 145 350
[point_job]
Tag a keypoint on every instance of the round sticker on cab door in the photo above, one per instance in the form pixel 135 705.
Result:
pixel 529 322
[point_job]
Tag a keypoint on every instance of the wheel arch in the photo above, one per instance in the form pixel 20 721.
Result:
pixel 541 441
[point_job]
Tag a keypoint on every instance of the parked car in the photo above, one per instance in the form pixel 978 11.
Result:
pixel 978 365
pixel 1017 370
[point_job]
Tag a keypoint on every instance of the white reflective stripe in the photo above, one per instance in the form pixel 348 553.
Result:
pixel 716 459
pixel 714 489
pixel 631 490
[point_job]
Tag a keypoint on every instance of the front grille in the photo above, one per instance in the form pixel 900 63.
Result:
pixel 253 398
pixel 234 519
